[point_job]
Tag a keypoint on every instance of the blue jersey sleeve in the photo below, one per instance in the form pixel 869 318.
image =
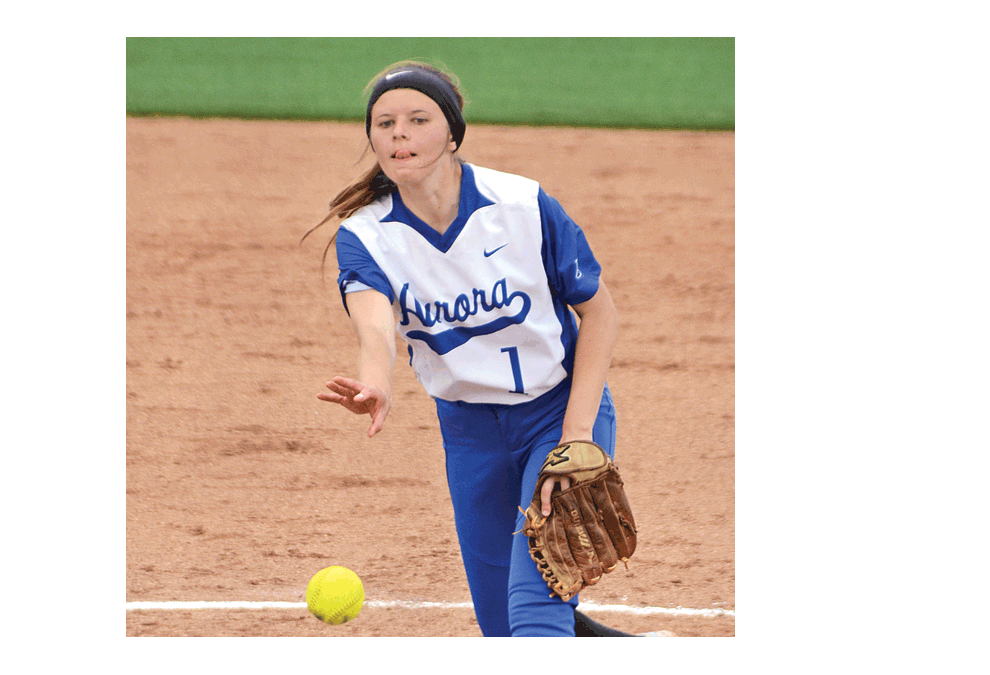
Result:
pixel 571 267
pixel 358 270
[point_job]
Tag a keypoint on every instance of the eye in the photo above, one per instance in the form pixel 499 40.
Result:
pixel 385 124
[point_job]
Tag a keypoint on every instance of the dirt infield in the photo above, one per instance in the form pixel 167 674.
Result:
pixel 241 484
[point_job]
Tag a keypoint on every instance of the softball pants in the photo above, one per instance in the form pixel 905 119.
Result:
pixel 493 457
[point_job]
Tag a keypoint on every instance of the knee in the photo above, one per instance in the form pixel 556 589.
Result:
pixel 532 613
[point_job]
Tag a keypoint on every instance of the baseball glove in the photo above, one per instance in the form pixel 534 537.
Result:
pixel 590 528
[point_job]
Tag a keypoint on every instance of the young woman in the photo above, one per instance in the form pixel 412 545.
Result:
pixel 479 271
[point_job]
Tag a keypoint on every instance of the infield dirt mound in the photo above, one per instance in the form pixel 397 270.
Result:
pixel 241 485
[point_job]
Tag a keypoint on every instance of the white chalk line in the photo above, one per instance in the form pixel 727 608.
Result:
pixel 409 604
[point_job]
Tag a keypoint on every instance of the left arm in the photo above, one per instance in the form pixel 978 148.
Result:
pixel 592 357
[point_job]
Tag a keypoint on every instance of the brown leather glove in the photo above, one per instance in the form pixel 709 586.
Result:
pixel 590 528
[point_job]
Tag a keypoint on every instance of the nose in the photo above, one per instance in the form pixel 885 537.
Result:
pixel 399 130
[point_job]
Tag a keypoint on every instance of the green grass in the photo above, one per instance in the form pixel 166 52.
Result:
pixel 608 82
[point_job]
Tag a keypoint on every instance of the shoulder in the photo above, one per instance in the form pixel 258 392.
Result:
pixel 368 216
pixel 504 187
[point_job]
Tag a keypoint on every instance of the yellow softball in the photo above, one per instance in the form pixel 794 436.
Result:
pixel 335 595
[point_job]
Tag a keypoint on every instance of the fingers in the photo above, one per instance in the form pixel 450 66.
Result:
pixel 378 419
pixel 358 398
pixel 350 394
pixel 345 386
pixel 342 400
pixel 547 490
pixel 545 493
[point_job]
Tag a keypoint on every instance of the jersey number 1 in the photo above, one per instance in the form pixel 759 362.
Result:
pixel 516 370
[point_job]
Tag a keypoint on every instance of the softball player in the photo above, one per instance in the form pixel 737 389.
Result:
pixel 478 271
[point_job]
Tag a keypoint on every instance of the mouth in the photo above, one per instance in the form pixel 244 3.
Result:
pixel 403 154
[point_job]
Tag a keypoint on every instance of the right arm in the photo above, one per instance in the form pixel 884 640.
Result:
pixel 371 393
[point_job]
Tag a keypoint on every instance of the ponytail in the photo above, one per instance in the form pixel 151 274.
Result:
pixel 372 185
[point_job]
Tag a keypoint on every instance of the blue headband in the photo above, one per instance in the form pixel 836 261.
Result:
pixel 425 82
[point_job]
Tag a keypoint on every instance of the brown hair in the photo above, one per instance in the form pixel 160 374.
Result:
pixel 374 184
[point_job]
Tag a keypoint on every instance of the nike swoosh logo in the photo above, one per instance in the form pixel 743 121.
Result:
pixel 398 72
pixel 489 254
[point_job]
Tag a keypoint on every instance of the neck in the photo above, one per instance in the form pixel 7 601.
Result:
pixel 436 200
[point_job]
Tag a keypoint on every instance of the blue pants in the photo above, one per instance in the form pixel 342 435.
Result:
pixel 493 456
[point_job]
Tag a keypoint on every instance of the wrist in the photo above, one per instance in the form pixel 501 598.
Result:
pixel 569 434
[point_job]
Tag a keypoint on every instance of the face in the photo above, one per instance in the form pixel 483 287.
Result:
pixel 410 135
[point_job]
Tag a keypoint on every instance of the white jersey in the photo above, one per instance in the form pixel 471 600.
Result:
pixel 483 307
